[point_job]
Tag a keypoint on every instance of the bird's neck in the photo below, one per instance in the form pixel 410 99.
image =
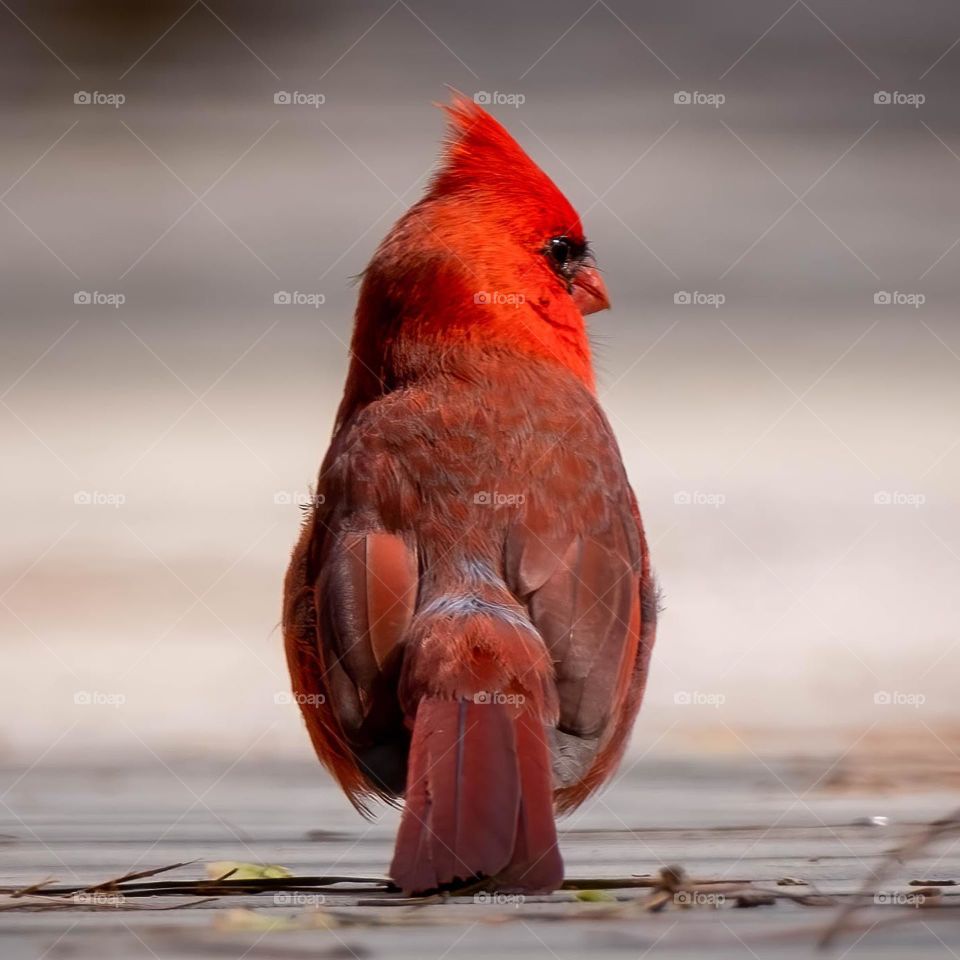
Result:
pixel 429 325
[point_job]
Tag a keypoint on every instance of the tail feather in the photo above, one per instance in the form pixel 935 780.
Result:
pixel 414 847
pixel 469 751
pixel 536 863
pixel 479 800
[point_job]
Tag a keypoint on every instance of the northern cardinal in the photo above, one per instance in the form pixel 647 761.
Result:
pixel 469 612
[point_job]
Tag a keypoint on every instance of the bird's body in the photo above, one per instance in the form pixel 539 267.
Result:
pixel 470 611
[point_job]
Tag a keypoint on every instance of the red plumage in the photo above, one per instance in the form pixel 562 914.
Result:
pixel 470 610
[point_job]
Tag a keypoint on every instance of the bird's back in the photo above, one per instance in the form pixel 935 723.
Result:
pixel 496 487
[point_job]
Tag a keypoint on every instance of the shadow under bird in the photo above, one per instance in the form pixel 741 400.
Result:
pixel 470 610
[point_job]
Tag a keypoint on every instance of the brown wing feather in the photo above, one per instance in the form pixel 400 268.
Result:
pixel 307 659
pixel 370 591
pixel 578 559
pixel 600 758
pixel 349 601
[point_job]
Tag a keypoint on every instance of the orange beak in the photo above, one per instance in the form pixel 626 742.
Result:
pixel 589 291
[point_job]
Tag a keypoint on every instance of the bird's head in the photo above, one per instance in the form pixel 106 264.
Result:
pixel 517 223
pixel 493 257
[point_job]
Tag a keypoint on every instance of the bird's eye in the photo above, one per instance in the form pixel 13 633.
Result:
pixel 566 255
pixel 560 250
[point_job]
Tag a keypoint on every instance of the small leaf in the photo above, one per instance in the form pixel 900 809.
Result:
pixel 595 896
pixel 246 871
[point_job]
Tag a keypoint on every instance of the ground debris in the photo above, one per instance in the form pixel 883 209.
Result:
pixel 596 897
pixel 913 847
pixel 225 879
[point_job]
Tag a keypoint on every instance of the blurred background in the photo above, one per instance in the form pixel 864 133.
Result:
pixel 772 191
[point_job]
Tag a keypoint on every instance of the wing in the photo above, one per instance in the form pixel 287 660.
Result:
pixel 578 559
pixel 349 597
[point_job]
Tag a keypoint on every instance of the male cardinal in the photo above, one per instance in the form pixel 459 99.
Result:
pixel 470 610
